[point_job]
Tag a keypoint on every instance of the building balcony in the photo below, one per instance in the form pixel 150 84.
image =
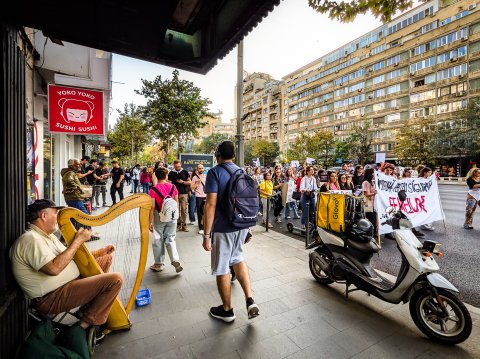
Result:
pixel 474 55
pixel 424 103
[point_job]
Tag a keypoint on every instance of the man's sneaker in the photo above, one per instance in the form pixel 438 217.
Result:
pixel 252 309
pixel 201 231
pixel 222 314
pixel 178 267
pixel 278 220
pixel 232 273
pixel 467 226
pixel 288 217
pixel 428 227
pixel 260 213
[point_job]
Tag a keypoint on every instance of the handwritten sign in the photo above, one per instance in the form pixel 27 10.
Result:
pixel 422 205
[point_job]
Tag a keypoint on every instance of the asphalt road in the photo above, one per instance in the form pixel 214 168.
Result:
pixel 461 248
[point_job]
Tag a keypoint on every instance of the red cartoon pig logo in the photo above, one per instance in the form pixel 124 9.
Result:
pixel 76 110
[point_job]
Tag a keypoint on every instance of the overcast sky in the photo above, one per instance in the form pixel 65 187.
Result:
pixel 288 38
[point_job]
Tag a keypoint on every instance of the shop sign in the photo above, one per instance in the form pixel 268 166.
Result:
pixel 75 110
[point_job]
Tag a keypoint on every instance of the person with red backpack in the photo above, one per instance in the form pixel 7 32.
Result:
pixel 231 208
pixel 163 221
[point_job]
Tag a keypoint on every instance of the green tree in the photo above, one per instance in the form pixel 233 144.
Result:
pixel 247 153
pixel 413 142
pixel 209 143
pixel 174 110
pixel 265 150
pixel 298 150
pixel 359 142
pixel 321 146
pixel 460 136
pixel 346 11
pixel 130 132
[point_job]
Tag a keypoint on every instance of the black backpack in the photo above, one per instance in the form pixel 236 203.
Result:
pixel 240 201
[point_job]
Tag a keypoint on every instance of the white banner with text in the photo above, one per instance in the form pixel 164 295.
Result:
pixel 422 205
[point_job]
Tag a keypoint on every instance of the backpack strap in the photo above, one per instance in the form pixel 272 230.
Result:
pixel 171 191
pixel 225 167
pixel 160 195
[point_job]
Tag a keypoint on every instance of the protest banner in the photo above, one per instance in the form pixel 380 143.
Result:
pixel 422 205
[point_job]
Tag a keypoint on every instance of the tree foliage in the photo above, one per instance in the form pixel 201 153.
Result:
pixel 174 110
pixel 346 11
pixel 209 143
pixel 414 142
pixel 320 146
pixel 461 135
pixel 359 142
pixel 265 150
pixel 129 129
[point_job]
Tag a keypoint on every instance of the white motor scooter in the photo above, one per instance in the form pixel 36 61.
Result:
pixel 434 306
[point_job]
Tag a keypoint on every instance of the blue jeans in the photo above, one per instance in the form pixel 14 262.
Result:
pixel 192 205
pixel 291 206
pixel 80 206
pixel 146 187
pixel 164 236
pixel 304 201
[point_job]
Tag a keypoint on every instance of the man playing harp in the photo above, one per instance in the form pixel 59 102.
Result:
pixel 45 270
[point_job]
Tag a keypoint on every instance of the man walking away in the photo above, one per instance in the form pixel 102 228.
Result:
pixel 181 180
pixel 136 177
pixel 101 176
pixel 117 181
pixel 198 186
pixel 163 225
pixel 222 238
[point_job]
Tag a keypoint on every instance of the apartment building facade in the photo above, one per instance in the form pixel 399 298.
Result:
pixel 425 63
pixel 262 108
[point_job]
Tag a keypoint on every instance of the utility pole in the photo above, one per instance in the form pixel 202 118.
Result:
pixel 239 136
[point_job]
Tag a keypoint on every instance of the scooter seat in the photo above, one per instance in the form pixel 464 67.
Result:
pixel 365 247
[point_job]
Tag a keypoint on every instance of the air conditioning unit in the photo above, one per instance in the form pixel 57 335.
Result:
pixel 362 115
pixel 337 71
pixel 453 59
pixel 340 84
pixel 370 97
pixel 368 45
pixel 397 107
pixel 370 70
pixel 473 6
pixel 395 64
pixel 360 90
pixel 461 76
pixel 412 73
pixel 464 38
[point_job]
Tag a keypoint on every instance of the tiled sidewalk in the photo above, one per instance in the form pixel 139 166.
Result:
pixel 299 317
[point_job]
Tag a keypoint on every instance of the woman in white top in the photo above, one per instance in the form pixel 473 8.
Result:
pixel 308 186
pixel 290 202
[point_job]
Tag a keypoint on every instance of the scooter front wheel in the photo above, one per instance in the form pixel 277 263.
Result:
pixel 451 327
pixel 317 272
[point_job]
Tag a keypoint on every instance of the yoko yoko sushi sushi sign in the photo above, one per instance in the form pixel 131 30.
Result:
pixel 75 110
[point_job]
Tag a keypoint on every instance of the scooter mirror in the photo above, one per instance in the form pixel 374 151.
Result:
pixel 389 210
pixel 402 195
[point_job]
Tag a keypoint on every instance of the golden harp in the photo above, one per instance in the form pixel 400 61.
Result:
pixel 114 223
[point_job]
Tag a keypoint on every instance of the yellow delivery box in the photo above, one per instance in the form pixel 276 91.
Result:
pixel 331 211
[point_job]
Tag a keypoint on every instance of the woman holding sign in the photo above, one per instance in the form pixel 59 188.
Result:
pixel 426 172
pixel 473 196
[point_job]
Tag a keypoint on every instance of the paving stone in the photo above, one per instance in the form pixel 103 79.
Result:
pixel 308 333
pixel 266 328
pixel 219 345
pixel 279 346
pixel 322 349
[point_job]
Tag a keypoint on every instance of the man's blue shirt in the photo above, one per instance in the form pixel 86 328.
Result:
pixel 217 181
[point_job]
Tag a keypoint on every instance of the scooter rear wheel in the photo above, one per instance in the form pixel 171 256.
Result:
pixel 428 316
pixel 317 272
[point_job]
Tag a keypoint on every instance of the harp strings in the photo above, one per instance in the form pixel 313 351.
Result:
pixel 124 233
